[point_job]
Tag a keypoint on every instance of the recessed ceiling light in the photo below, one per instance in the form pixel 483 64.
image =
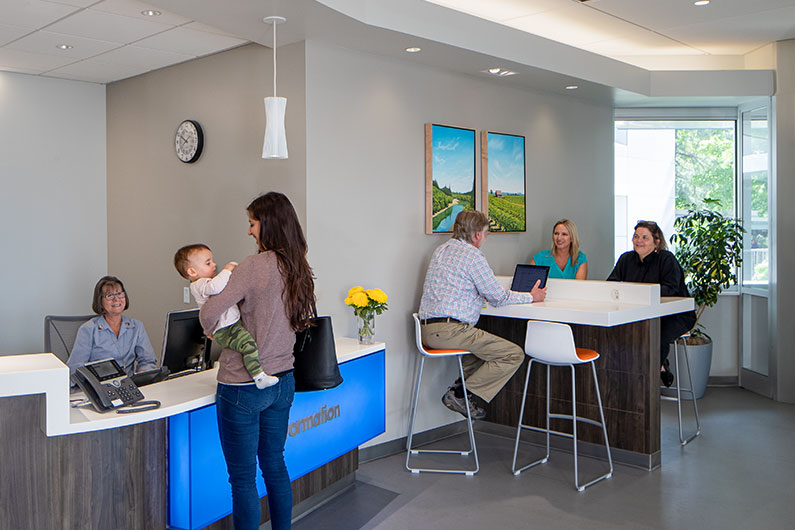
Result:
pixel 413 49
pixel 494 71
pixel 506 73
pixel 64 46
pixel 499 72
pixel 572 87
pixel 151 13
pixel 701 3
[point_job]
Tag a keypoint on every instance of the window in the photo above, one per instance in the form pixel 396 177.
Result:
pixel 665 167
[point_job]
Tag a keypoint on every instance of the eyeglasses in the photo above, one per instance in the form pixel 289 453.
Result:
pixel 113 296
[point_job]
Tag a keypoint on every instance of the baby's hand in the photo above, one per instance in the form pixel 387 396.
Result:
pixel 230 266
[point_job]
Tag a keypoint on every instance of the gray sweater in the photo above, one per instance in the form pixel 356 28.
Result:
pixel 256 285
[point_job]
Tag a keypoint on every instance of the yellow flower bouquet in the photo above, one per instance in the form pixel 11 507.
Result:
pixel 366 304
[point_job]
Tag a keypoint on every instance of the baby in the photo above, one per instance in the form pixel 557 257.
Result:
pixel 195 263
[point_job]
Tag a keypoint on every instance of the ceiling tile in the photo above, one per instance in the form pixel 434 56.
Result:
pixel 738 35
pixel 9 33
pixel 662 15
pixel 141 57
pixel 90 70
pixel 106 26
pixel 74 3
pixel 133 8
pixel 575 25
pixel 198 26
pixel 46 42
pixel 499 10
pixel 33 13
pixel 36 62
pixel 190 42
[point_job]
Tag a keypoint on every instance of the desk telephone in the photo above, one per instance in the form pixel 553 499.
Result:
pixel 106 385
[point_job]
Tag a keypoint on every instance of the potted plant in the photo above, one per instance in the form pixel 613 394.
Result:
pixel 709 247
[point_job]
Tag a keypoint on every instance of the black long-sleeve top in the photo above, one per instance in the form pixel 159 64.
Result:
pixel 658 267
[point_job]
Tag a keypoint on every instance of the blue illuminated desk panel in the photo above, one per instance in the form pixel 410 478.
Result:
pixel 323 426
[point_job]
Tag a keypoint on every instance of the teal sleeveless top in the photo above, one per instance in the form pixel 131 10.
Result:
pixel 545 257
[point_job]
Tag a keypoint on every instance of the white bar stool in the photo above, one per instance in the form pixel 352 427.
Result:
pixel 552 344
pixel 679 390
pixel 428 353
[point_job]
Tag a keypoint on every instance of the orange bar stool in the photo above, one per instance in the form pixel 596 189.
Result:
pixel 679 390
pixel 426 353
pixel 552 344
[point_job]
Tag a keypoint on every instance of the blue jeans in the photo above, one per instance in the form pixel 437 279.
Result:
pixel 253 423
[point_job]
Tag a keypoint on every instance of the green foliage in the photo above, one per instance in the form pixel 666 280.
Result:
pixel 507 214
pixel 709 247
pixel 704 168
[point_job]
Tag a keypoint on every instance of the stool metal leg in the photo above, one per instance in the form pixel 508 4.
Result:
pixel 679 390
pixel 528 427
pixel 472 448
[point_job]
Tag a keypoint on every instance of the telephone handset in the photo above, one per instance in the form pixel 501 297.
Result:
pixel 106 385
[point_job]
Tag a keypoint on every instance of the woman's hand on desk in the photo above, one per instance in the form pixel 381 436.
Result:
pixel 538 293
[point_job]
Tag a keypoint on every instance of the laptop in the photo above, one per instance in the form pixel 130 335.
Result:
pixel 526 276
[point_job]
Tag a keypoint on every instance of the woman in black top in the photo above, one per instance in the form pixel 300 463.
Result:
pixel 651 262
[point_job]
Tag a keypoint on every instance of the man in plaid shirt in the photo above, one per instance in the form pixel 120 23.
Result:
pixel 457 281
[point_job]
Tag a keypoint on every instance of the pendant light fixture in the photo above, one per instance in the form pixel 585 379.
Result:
pixel 275 144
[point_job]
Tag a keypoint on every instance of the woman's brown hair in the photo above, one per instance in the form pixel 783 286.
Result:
pixel 656 233
pixel 280 232
pixel 96 301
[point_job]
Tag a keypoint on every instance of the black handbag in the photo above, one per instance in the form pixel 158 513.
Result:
pixel 316 365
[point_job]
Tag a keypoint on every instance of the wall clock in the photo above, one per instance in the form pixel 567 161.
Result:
pixel 189 141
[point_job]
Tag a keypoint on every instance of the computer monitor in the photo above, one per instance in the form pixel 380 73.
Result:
pixel 185 347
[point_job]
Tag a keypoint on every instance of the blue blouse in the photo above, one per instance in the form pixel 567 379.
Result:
pixel 545 257
pixel 95 340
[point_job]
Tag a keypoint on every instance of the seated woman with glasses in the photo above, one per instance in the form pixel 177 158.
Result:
pixel 111 335
pixel 651 262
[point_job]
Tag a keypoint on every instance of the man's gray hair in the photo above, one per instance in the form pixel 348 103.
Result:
pixel 468 223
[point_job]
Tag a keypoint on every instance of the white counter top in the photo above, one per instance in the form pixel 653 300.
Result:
pixel 594 303
pixel 44 373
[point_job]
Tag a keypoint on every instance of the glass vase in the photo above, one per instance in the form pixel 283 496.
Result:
pixel 366 329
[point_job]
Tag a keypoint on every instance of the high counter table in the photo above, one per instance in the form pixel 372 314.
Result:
pixel 621 321
pixel 75 468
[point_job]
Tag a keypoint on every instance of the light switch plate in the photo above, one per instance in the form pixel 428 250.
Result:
pixel 186 295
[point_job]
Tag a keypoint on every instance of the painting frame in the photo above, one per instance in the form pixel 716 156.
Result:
pixel 504 156
pixel 448 173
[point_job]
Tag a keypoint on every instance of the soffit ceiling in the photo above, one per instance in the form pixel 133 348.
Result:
pixel 113 40
pixel 635 30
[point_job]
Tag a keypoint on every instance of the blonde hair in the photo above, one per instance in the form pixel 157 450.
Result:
pixel 574 246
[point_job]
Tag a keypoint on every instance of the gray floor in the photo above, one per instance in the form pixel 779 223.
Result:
pixel 740 473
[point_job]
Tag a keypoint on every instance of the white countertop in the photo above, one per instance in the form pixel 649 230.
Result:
pixel 594 303
pixel 44 373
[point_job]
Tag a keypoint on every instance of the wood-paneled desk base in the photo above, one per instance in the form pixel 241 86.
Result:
pixel 113 478
pixel 628 370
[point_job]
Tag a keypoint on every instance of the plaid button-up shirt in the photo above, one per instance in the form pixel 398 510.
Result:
pixel 457 281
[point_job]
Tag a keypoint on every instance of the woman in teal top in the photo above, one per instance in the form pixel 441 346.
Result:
pixel 565 244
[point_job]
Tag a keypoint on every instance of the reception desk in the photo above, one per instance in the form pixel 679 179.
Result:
pixel 619 320
pixel 67 467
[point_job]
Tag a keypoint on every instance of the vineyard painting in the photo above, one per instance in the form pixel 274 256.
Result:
pixel 449 175
pixel 503 181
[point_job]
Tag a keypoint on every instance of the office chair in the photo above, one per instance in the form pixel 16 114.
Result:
pixel 60 333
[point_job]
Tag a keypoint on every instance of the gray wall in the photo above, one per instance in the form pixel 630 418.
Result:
pixel 52 204
pixel 365 190
pixel 782 281
pixel 157 204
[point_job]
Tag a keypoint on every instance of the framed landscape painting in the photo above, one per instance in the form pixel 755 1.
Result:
pixel 449 175
pixel 503 181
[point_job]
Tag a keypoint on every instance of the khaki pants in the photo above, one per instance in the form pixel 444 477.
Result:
pixel 493 361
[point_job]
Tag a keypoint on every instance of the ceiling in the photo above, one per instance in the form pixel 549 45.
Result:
pixel 549 43
pixel 109 39
pixel 646 33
